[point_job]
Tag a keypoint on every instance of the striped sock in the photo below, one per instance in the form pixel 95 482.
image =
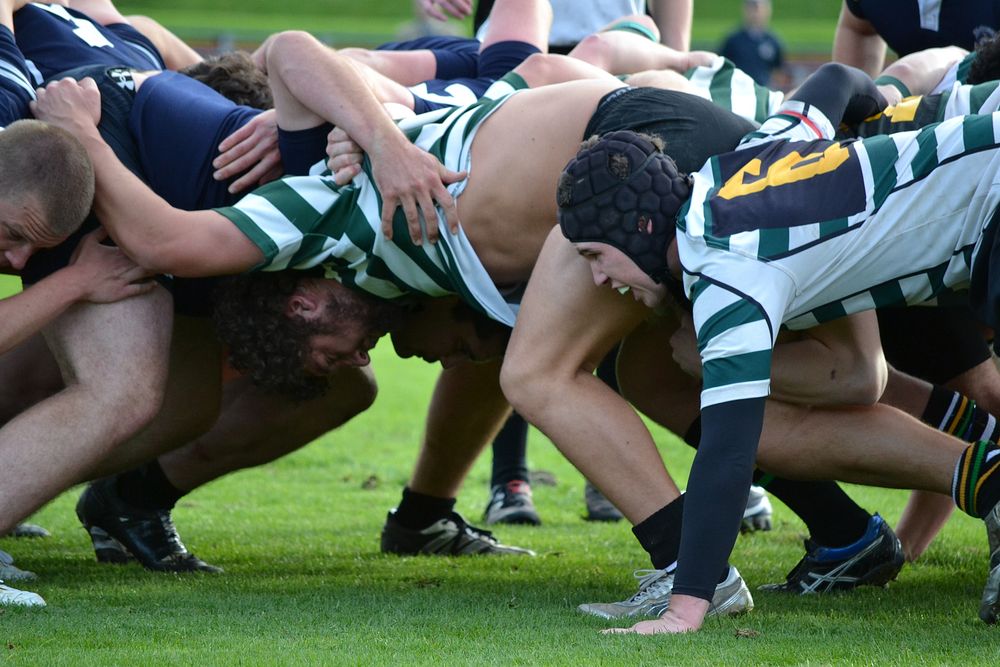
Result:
pixel 975 486
pixel 958 415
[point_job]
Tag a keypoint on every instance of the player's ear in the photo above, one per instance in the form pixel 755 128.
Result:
pixel 303 305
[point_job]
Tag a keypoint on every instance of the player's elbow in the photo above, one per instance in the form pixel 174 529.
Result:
pixel 864 379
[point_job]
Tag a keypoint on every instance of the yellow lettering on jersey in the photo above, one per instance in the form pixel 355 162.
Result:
pixel 789 169
pixel 905 111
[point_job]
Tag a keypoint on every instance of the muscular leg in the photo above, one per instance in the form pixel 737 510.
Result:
pixel 191 402
pixel 466 410
pixel 625 52
pixel 255 428
pixel 113 359
pixel 565 326
pixel 29 374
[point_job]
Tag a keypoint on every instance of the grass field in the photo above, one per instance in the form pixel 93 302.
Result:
pixel 806 27
pixel 305 583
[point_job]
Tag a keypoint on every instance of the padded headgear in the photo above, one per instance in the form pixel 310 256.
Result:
pixel 624 191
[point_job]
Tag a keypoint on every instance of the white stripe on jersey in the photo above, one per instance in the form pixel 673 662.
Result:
pixel 14 74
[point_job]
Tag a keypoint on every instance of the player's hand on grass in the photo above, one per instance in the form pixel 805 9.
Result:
pixel 415 180
pixel 252 149
pixel 106 273
pixel 345 156
pixel 437 9
pixel 70 104
pixel 684 342
pixel 685 614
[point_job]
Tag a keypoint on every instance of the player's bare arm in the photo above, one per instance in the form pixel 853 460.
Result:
pixel 857 44
pixel 313 85
pixel 99 274
pixel 158 236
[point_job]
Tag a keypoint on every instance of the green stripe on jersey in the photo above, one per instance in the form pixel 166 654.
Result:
pixel 828 228
pixel 887 294
pixel 926 158
pixel 977 132
pixel 882 153
pixel 245 224
pixel 962 71
pixel 773 242
pixel 979 94
pixel 290 203
pixel 829 311
pixel 721 89
pixel 747 367
pixel 736 314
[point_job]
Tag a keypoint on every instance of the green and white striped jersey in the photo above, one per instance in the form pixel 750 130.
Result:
pixel 729 87
pixel 957 73
pixel 309 221
pixel 793 229
pixel 915 112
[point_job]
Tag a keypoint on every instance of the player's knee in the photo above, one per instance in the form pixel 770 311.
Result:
pixel 868 382
pixel 595 49
pixel 524 386
pixel 356 392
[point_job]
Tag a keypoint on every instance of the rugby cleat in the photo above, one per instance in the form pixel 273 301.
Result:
pixel 121 532
pixel 757 515
pixel 10 595
pixel 874 560
pixel 989 606
pixel 450 536
pixel 511 503
pixel 599 508
pixel 732 597
pixel 11 572
pixel 28 530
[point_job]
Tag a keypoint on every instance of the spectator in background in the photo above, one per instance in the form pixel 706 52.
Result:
pixel 754 48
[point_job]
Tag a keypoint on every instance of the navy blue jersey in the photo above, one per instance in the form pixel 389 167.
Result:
pixel 16 90
pixel 54 39
pixel 494 61
pixel 914 25
pixel 177 124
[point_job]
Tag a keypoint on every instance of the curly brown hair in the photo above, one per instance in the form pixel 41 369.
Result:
pixel 986 66
pixel 236 77
pixel 271 346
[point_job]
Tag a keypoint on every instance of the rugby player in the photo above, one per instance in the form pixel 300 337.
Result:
pixel 171 238
pixel 752 256
pixel 42 204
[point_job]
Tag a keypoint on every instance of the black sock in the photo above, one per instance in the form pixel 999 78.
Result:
pixel 660 534
pixel 958 415
pixel 510 447
pixel 147 487
pixel 832 518
pixel 418 510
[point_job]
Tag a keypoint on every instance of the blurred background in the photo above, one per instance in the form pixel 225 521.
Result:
pixel 805 28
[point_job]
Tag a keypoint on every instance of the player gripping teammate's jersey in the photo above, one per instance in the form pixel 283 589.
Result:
pixel 305 222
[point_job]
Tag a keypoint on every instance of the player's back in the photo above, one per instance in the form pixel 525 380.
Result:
pixel 54 39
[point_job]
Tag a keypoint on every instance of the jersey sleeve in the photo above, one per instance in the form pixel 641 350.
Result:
pixel 794 121
pixel 16 90
pixel 738 306
pixel 283 220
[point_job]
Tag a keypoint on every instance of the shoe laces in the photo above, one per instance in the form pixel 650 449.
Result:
pixel 652 583
pixel 470 530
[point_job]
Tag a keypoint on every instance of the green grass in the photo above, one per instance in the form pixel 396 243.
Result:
pixel 305 583
pixel 807 28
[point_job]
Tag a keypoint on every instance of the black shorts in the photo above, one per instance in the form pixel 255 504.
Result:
pixel 692 129
pixel 191 296
pixel 935 344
